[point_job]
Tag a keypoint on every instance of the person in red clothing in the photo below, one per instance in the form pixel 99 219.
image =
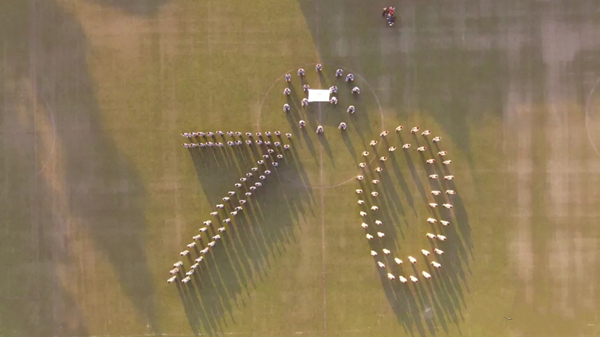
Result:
pixel 389 15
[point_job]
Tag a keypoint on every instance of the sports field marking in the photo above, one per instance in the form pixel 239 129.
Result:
pixel 322 198
pixel 587 116
pixel 53 122
pixel 33 75
pixel 334 66
pixel 322 202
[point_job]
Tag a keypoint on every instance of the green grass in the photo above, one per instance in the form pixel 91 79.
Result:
pixel 98 197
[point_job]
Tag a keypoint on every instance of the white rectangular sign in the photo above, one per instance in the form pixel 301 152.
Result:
pixel 318 95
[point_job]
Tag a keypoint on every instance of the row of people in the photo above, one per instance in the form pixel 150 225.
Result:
pixel 268 134
pixel 319 68
pixel 236 143
pixel 230 209
pixel 342 126
pixel 411 259
pixel 333 90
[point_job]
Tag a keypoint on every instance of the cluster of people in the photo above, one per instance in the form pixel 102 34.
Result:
pixel 232 205
pixel 333 90
pixel 371 206
pixel 389 13
pixel 218 139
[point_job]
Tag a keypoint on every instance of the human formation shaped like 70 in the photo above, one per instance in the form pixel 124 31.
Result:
pixel 270 147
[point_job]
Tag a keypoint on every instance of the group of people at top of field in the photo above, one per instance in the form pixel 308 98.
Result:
pixel 389 15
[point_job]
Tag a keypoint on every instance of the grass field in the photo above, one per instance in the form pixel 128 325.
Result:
pixel 97 196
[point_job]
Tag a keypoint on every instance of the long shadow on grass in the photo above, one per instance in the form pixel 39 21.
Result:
pixel 356 36
pixel 413 58
pixel 92 186
pixel 136 7
pixel 429 305
pixel 256 236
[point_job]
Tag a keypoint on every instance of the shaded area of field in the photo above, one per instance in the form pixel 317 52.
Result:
pixel 50 110
pixel 98 196
pixel 256 238
pixel 470 66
